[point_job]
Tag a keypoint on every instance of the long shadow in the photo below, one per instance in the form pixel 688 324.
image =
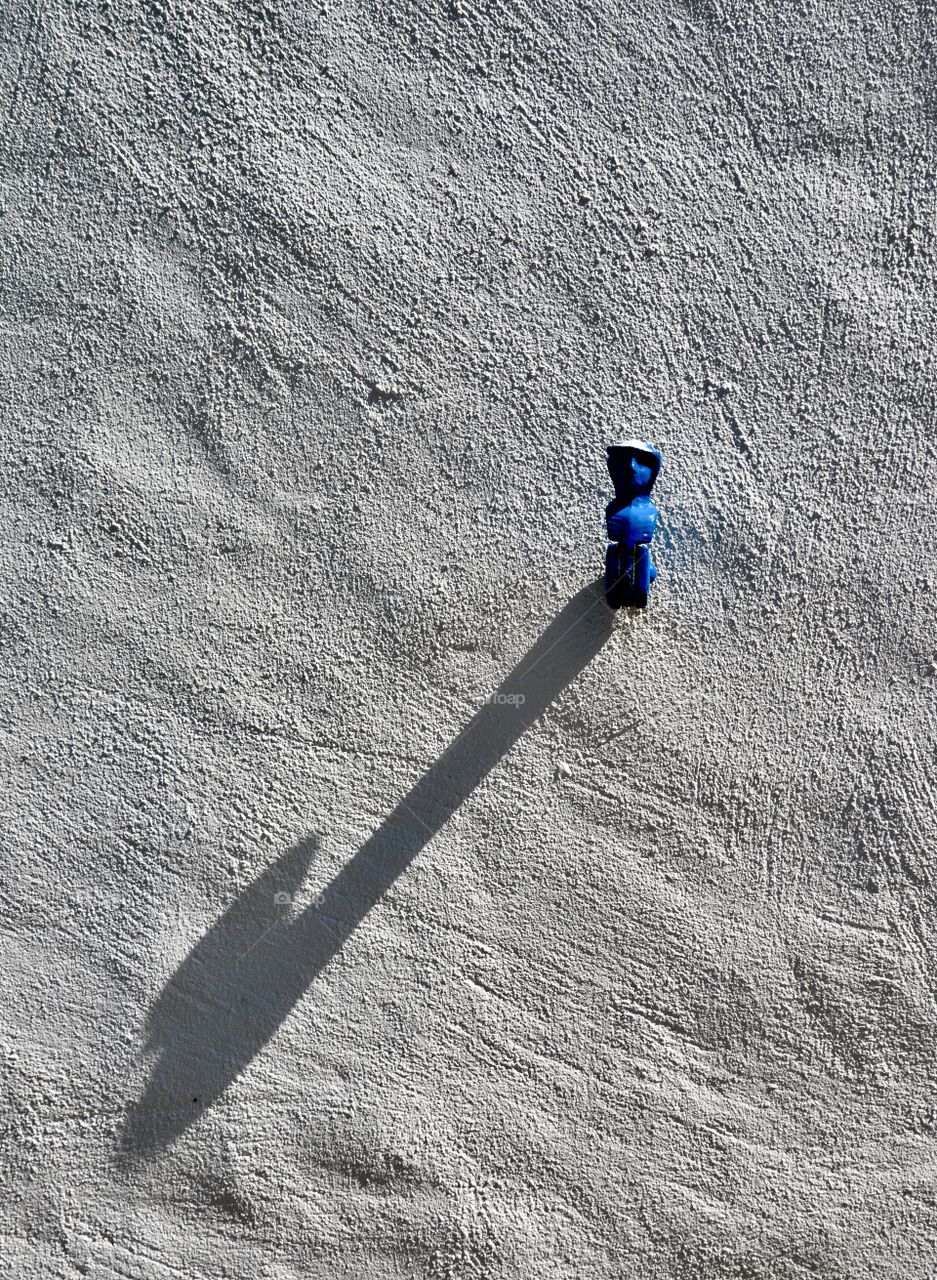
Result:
pixel 239 982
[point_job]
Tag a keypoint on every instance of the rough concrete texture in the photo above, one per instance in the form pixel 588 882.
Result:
pixel 376 904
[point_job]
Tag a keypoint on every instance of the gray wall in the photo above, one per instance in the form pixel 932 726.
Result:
pixel 318 320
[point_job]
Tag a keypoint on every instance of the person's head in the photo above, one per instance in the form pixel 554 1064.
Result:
pixel 633 467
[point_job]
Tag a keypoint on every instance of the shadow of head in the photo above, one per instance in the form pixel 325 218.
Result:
pixel 226 996
pixel 241 979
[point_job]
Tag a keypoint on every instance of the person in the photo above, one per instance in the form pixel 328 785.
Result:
pixel 631 518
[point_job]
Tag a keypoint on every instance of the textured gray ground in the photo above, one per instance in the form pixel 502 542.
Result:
pixel 317 323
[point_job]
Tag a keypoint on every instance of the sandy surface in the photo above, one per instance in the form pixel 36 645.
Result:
pixel 375 903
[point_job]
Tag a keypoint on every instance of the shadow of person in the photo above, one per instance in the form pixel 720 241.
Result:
pixel 239 982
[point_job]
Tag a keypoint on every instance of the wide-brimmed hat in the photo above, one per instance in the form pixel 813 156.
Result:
pixel 619 455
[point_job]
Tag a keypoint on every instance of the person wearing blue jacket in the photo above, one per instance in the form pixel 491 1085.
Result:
pixel 631 518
